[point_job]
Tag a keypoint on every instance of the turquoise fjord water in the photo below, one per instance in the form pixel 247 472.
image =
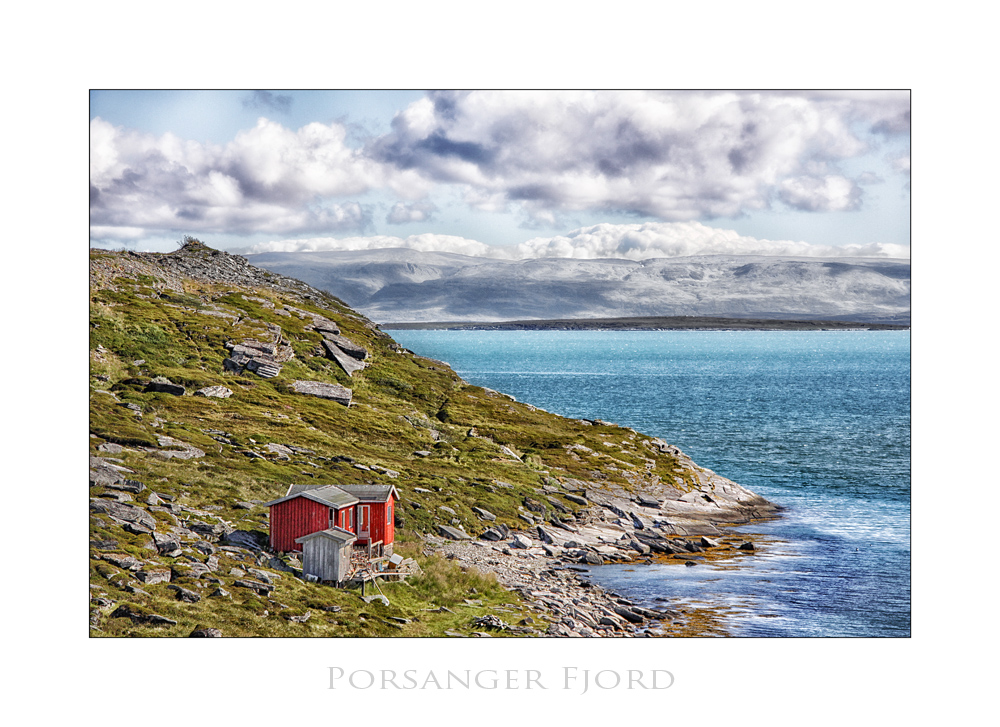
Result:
pixel 818 422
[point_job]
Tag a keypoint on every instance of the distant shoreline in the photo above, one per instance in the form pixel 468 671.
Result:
pixel 651 323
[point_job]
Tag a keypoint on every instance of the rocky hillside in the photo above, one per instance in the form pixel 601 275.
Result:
pixel 214 385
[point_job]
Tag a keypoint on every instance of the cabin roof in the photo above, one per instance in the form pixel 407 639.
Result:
pixel 335 533
pixel 371 493
pixel 330 495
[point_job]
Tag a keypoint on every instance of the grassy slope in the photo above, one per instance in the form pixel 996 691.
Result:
pixel 402 404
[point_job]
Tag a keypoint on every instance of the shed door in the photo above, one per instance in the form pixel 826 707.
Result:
pixel 364 521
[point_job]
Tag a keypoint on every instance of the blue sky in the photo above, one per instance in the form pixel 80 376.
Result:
pixel 583 174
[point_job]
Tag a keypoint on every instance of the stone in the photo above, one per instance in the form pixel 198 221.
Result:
pixel 493 535
pixel 647 501
pixel 300 619
pixel 137 616
pixel 545 536
pixel 152 576
pixel 627 614
pixel 521 541
pixel 746 546
pixel 251 539
pixel 219 593
pixel 260 588
pixel 453 533
pixel 348 363
pixel 484 514
pixel 185 595
pixel 690 563
pixel 422 453
pixel 576 498
pixel 111 448
pixel 164 385
pixel 447 510
pixel 489 621
pixel 708 542
pixel 124 513
pixel 333 392
pixel 219 392
pixel 534 505
pixel 127 562
pixel 592 558
pixel 202 632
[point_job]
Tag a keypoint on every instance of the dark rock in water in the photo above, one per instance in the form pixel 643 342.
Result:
pixel 627 614
pixel 690 563
pixel 692 547
pixel 334 392
pixel 453 533
pixel 165 386
pixel 746 546
pixel 201 632
pixel 708 543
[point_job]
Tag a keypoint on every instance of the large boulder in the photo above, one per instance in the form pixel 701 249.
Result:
pixel 123 513
pixel 334 392
pixel 164 385
pixel 453 533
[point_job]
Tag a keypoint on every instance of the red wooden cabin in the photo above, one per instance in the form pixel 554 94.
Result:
pixel 365 510
pixel 375 513
pixel 306 509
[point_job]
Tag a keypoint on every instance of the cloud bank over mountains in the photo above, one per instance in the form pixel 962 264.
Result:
pixel 542 157
pixel 626 242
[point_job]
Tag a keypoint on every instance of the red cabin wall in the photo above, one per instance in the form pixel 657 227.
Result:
pixel 295 518
pixel 380 529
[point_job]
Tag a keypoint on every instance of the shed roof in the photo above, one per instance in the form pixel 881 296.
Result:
pixel 335 533
pixel 371 493
pixel 330 495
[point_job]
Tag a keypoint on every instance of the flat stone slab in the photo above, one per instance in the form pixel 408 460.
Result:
pixel 334 392
pixel 453 533
pixel 220 392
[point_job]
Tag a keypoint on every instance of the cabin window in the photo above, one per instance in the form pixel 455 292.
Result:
pixel 388 513
pixel 333 517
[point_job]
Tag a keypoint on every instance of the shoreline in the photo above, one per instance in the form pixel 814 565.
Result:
pixel 650 323
pixel 546 564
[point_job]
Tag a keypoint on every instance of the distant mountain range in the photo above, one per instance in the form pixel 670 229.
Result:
pixel 402 285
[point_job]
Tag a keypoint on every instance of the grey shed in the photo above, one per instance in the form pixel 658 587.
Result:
pixel 326 554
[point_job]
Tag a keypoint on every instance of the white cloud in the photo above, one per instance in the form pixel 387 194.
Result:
pixel 268 179
pixel 417 212
pixel 674 156
pixel 631 242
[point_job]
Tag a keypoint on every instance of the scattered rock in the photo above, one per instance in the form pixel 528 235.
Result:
pixel 746 546
pixel 334 392
pixel 453 533
pixel 484 514
pixel 152 576
pixel 202 633
pixel 185 595
pixel 140 617
pixel 521 541
pixel 164 385
pixel 220 392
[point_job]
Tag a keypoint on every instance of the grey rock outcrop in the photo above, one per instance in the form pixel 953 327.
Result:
pixel 334 392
